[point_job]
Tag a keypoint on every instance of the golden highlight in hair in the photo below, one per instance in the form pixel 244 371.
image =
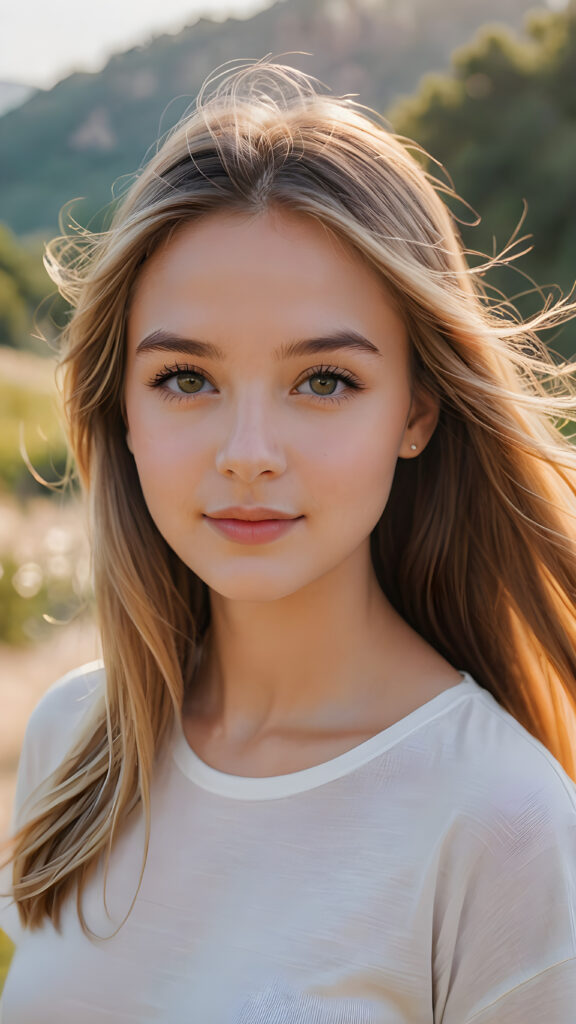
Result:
pixel 476 547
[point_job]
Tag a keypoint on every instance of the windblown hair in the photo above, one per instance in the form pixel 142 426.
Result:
pixel 476 548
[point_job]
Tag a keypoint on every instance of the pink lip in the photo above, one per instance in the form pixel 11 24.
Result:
pixel 245 531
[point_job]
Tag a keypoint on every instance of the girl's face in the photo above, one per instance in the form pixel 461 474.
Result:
pixel 267 366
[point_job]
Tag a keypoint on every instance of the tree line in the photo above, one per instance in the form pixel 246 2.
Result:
pixel 503 124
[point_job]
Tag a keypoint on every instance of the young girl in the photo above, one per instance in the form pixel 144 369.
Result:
pixel 325 770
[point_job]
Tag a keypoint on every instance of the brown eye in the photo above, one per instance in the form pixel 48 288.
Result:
pixel 327 381
pixel 178 381
pixel 188 382
pixel 323 381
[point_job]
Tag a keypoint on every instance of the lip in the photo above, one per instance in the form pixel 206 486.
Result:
pixel 251 513
pixel 245 531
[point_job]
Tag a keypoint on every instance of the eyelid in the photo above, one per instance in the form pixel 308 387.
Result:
pixel 331 371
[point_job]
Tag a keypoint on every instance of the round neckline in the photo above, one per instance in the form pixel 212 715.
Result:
pixel 249 787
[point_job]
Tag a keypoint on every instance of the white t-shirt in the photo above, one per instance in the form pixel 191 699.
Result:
pixel 427 876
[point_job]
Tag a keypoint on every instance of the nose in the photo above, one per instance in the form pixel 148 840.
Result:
pixel 250 445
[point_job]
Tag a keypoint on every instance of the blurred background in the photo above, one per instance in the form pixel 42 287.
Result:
pixel 488 87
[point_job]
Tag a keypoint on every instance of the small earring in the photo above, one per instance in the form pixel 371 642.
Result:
pixel 413 446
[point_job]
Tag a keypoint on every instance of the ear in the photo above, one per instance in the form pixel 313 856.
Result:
pixel 129 442
pixel 421 423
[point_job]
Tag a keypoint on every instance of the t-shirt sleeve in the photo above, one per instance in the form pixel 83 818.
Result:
pixel 48 735
pixel 505 917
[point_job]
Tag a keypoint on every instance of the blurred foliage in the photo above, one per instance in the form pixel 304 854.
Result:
pixel 29 591
pixel 28 300
pixel 44 560
pixel 28 412
pixel 19 610
pixel 6 953
pixel 504 125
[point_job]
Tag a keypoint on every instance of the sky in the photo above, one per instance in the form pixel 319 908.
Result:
pixel 42 41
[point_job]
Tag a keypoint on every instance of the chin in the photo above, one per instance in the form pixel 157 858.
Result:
pixel 253 589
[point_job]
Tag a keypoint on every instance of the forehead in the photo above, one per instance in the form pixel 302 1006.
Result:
pixel 275 268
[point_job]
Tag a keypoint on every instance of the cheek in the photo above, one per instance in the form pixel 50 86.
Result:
pixel 373 473
pixel 353 471
pixel 347 490
pixel 168 454
pixel 168 463
pixel 169 479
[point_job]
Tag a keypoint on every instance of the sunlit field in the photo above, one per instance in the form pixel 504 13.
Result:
pixel 47 547
pixel 46 625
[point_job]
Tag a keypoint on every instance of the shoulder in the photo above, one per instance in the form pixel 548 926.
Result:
pixel 515 764
pixel 49 733
pixel 64 704
pixel 51 727
pixel 70 695
pixel 505 795
pixel 504 908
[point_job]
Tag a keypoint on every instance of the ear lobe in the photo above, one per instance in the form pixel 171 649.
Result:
pixel 129 442
pixel 422 422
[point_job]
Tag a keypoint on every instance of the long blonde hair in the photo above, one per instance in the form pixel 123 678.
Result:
pixel 476 547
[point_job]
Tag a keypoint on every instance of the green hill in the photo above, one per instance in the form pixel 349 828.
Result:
pixel 79 137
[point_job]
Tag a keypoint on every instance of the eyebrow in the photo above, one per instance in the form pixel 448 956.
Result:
pixel 167 341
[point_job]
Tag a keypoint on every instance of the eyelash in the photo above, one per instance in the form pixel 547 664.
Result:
pixel 168 372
